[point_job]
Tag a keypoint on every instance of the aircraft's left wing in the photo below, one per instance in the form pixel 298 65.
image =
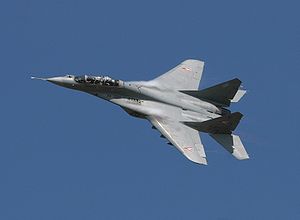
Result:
pixel 184 138
pixel 185 76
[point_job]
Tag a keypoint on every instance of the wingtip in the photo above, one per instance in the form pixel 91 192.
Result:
pixel 200 161
pixel 191 60
pixel 203 161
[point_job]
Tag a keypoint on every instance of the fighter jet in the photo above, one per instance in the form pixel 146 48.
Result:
pixel 174 106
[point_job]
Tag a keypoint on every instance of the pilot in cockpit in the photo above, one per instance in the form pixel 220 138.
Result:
pixel 102 80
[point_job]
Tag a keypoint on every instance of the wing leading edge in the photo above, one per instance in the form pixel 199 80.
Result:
pixel 185 139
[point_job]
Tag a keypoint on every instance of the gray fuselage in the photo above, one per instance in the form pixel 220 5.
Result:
pixel 143 98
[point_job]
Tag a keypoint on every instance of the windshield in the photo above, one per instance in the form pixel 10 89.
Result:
pixel 101 80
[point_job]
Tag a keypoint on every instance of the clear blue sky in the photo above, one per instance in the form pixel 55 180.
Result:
pixel 67 155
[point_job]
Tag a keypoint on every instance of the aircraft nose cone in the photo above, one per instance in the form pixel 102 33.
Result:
pixel 55 80
pixel 60 81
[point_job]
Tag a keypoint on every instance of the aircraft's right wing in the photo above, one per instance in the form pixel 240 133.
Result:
pixel 184 138
pixel 185 76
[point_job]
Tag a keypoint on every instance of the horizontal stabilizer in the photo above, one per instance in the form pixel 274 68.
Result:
pixel 233 144
pixel 220 95
pixel 222 125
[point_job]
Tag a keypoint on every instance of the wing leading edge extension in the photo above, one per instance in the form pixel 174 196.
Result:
pixel 185 139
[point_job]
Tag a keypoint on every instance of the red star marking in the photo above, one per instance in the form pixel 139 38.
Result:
pixel 187 69
pixel 188 148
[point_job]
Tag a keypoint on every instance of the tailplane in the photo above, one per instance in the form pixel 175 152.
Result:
pixel 221 130
pixel 220 95
pixel 222 125
pixel 233 144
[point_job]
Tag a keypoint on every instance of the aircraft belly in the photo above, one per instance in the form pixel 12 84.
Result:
pixel 178 99
pixel 162 110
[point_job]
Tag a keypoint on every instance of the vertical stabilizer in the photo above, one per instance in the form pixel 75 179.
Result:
pixel 233 144
pixel 239 94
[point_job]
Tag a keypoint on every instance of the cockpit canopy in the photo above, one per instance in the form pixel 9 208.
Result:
pixel 99 80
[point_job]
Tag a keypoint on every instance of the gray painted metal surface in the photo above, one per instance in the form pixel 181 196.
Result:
pixel 174 106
